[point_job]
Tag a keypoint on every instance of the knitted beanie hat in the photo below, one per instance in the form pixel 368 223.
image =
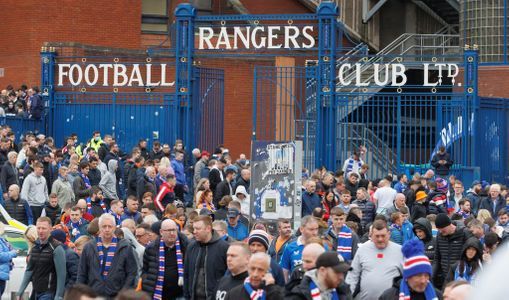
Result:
pixel 259 236
pixel 416 262
pixel 442 185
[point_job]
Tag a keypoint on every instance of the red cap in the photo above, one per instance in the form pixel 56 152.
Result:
pixel 205 153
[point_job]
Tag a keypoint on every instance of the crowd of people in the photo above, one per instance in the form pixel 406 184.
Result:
pixel 22 103
pixel 164 223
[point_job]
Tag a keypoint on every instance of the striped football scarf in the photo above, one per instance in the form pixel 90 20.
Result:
pixel 106 259
pixel 253 295
pixel 404 291
pixel 89 206
pixel 158 291
pixel 208 206
pixel 345 243
pixel 75 228
pixel 315 292
pixel 85 180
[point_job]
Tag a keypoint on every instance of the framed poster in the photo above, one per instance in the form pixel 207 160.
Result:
pixel 276 169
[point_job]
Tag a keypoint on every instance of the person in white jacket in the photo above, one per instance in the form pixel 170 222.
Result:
pixel 242 196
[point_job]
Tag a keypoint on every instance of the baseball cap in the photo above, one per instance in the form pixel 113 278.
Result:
pixel 205 153
pixel 330 260
pixel 233 212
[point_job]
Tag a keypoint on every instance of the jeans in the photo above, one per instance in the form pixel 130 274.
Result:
pixel 44 296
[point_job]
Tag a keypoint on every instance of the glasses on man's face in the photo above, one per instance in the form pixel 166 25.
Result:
pixel 169 230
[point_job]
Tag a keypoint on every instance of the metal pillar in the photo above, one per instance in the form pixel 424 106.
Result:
pixel 471 63
pixel 325 147
pixel 184 71
pixel 48 55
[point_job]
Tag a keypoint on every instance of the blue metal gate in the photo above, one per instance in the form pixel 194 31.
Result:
pixel 133 113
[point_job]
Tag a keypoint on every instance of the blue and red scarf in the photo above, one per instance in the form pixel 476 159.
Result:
pixel 75 228
pixel 345 243
pixel 89 206
pixel 86 180
pixel 404 291
pixel 315 292
pixel 106 258
pixel 158 291
pixel 253 294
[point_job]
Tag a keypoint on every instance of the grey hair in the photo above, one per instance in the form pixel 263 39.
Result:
pixel 220 223
pixel 11 154
pixel 148 169
pixel 261 255
pixel 150 219
pixel 105 217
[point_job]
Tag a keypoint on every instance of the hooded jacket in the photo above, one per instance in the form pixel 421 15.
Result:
pixel 122 273
pixel 476 262
pixel 108 183
pixel 35 190
pixel 429 241
pixel 138 249
pixel 214 254
pixel 244 204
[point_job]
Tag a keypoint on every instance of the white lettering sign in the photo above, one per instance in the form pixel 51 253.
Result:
pixel 362 75
pixel 269 37
pixel 121 75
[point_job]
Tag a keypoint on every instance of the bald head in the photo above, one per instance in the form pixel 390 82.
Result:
pixel 169 232
pixel 82 204
pixel 129 224
pixel 460 292
pixel 310 254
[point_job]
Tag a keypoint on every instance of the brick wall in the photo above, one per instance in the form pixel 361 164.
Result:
pixel 27 24
pixel 493 81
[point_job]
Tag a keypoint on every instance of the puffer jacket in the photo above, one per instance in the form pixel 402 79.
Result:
pixel 7 253
pixel 429 241
pixel 448 250
pixel 368 209
pixel 150 270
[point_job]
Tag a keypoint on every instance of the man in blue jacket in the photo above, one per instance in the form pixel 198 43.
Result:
pixel 310 200
pixel 236 229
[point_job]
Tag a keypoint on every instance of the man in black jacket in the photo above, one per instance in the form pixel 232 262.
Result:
pixel 448 249
pixel 174 245
pixel 106 263
pixel 494 202
pixel 237 259
pixel 81 185
pixel 442 162
pixel 205 261
pixel 260 282
pixel 18 208
pixel 46 267
pixel 225 187
pixel 326 280
pixel 216 174
pixel 9 174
